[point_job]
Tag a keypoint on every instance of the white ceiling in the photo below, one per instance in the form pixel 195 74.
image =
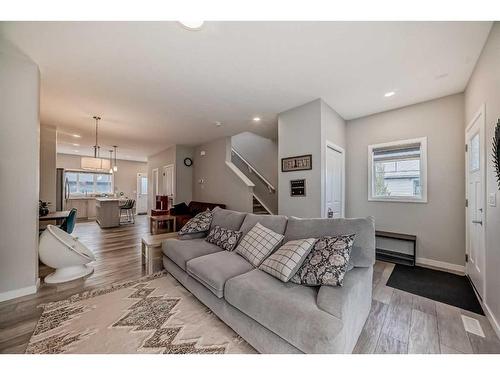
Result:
pixel 157 83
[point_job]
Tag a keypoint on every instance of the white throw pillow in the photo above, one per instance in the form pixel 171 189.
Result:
pixel 258 243
pixel 285 262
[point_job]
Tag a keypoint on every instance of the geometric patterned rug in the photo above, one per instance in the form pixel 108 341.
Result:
pixel 154 314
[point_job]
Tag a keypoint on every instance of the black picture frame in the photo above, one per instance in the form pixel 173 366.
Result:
pixel 296 163
pixel 496 152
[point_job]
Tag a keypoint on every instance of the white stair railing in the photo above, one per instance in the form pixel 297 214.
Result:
pixel 251 169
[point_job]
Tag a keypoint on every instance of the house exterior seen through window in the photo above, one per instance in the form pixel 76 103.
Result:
pixel 89 183
pixel 397 171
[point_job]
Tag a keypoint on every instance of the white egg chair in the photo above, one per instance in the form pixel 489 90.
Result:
pixel 66 254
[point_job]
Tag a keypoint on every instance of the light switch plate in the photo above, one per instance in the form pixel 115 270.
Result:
pixel 492 199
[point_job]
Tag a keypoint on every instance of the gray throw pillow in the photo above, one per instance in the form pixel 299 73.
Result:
pixel 198 224
pixel 327 262
pixel 226 239
pixel 285 262
pixel 258 243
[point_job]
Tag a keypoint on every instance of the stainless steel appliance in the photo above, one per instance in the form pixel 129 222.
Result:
pixel 62 190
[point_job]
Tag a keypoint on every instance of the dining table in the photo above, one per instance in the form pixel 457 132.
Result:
pixel 58 216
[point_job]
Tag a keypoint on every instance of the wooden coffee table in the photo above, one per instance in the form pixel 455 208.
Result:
pixel 151 248
pixel 154 222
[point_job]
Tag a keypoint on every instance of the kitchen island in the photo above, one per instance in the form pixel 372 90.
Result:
pixel 108 212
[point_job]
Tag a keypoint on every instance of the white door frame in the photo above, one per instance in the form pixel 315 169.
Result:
pixel 482 161
pixel 139 190
pixel 341 150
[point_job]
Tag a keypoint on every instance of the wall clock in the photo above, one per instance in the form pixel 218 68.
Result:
pixel 496 151
pixel 188 162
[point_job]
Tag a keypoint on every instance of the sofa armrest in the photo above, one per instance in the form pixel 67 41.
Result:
pixel 356 292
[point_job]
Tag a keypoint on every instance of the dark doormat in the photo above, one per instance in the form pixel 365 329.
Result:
pixel 439 286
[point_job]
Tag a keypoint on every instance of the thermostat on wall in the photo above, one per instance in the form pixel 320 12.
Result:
pixel 202 153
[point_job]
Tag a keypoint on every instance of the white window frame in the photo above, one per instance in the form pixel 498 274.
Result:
pixel 423 171
pixel 94 193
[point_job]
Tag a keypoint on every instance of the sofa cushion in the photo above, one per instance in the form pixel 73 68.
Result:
pixel 276 223
pixel 181 251
pixel 327 262
pixel 285 262
pixel 363 249
pixel 214 270
pixel 258 243
pixel 198 224
pixel 226 239
pixel 227 218
pixel 287 309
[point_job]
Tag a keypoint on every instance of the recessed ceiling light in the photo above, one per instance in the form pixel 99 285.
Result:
pixel 256 119
pixel 76 135
pixel 75 144
pixel 76 151
pixel 389 94
pixel 192 24
pixel 218 124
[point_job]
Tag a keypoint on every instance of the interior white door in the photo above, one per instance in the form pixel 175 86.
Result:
pixel 334 199
pixel 475 215
pixel 142 193
pixel 168 180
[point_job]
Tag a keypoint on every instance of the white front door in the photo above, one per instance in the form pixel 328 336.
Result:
pixel 475 215
pixel 334 199
pixel 142 193
pixel 168 180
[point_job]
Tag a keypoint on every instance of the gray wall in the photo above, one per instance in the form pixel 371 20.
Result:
pixel 183 174
pixel 220 185
pixel 262 154
pixel 48 144
pixel 19 171
pixel 305 130
pixel 259 151
pixel 438 224
pixel 299 133
pixel 484 87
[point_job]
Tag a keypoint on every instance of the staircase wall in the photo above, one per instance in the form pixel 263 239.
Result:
pixel 215 182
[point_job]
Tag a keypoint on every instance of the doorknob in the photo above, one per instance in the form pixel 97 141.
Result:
pixel 477 222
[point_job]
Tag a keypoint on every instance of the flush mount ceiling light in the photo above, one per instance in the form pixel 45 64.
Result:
pixel 75 144
pixel 95 163
pixel 76 135
pixel 192 24
pixel 218 124
pixel 389 94
pixel 256 119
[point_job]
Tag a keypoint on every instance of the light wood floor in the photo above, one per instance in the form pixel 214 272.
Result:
pixel 399 322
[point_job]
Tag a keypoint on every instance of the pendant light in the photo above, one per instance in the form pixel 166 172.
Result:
pixel 95 163
pixel 110 161
pixel 115 168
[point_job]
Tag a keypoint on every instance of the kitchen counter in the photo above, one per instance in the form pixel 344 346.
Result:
pixel 108 212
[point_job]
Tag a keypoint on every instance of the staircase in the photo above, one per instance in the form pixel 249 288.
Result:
pixel 258 208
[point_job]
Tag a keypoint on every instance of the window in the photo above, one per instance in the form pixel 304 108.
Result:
pixel 398 171
pixel 81 183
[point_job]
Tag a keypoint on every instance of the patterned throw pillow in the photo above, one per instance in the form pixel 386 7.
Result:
pixel 198 224
pixel 226 239
pixel 258 243
pixel 287 259
pixel 327 262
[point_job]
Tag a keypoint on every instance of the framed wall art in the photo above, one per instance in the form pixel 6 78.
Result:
pixel 296 163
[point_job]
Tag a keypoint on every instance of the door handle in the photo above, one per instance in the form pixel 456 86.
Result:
pixel 477 222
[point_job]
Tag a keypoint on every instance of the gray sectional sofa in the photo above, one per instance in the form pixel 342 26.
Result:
pixel 272 316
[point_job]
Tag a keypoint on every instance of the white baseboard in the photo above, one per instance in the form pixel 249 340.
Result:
pixel 491 317
pixel 455 268
pixel 11 294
